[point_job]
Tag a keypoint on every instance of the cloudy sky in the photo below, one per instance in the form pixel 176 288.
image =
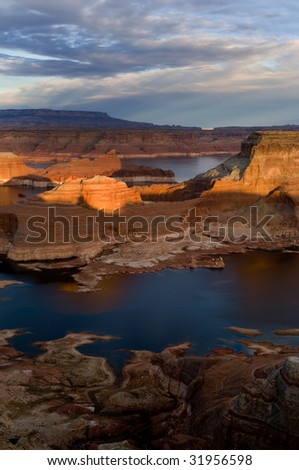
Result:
pixel 189 62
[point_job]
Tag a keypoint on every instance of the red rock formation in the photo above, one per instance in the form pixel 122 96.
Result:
pixel 12 166
pixel 107 165
pixel 62 144
pixel 167 192
pixel 268 162
pixel 165 400
pixel 100 193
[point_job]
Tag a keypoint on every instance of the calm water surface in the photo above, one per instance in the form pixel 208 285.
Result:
pixel 184 168
pixel 154 310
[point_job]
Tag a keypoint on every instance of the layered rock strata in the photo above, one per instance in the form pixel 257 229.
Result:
pixel 62 399
pixel 106 165
pixel 265 174
pixel 62 145
pixel 100 193
pixel 12 166
pixel 268 162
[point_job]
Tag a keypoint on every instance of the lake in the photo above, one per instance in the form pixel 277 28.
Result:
pixel 184 168
pixel 154 310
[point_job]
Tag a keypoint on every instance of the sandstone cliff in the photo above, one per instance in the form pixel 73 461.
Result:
pixel 99 192
pixel 62 144
pixel 268 165
pixel 12 166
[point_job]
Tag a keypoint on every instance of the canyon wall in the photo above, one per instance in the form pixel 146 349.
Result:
pixel 60 144
pixel 266 170
pixel 12 166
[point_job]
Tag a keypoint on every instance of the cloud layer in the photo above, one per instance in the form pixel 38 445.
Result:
pixel 193 62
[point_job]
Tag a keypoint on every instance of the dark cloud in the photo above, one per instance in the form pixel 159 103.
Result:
pixel 72 29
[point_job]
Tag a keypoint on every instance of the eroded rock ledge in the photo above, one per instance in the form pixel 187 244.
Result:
pixel 169 400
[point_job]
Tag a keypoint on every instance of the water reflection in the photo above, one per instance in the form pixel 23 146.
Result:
pixel 154 310
pixel 183 167
pixel 14 194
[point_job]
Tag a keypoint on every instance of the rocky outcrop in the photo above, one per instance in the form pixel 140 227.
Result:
pixel 12 166
pixel 267 160
pixel 8 282
pixel 264 415
pixel 265 172
pixel 106 165
pixel 174 192
pixel 100 192
pixel 167 400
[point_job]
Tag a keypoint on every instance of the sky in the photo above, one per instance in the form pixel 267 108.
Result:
pixel 185 62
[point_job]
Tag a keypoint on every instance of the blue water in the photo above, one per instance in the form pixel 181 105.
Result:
pixel 155 310
pixel 184 168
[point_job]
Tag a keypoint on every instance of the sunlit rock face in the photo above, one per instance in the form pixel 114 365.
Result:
pixel 100 192
pixel 105 165
pixel 267 164
pixel 12 166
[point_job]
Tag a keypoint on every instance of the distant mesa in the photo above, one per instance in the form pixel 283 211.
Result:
pixel 53 119
pixel 53 136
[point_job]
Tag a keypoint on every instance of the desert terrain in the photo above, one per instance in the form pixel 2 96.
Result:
pixel 100 216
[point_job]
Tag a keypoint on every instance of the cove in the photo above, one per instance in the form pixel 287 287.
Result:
pixel 154 310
